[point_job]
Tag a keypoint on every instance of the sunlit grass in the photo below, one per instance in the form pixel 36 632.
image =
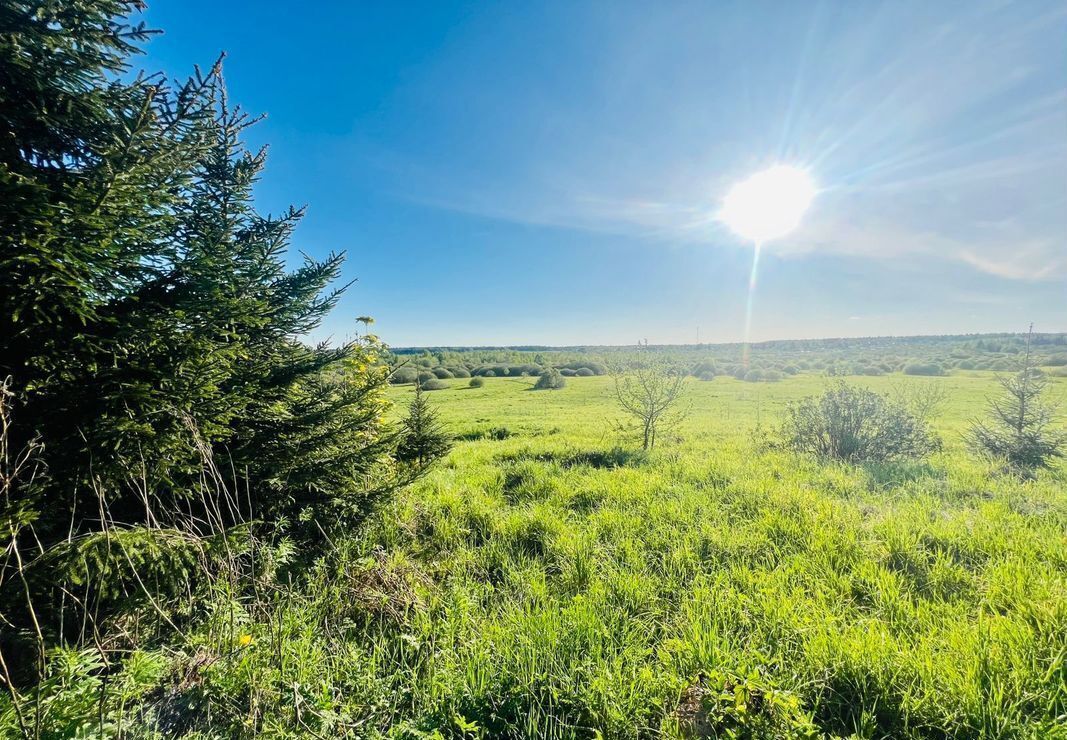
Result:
pixel 549 580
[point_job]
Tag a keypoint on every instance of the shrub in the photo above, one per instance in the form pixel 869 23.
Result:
pixel 594 368
pixel 442 373
pixel 460 372
pixel 527 369
pixel 1056 361
pixel 584 372
pixel 433 385
pixel 705 370
pixel 404 375
pixel 426 375
pixel 488 374
pixel 753 376
pixel 856 425
pixel 477 382
pixel 567 372
pixel 923 368
pixel 550 380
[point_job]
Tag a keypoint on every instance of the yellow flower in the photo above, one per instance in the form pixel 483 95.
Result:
pixel 244 640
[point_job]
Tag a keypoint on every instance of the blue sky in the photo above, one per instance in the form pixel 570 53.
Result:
pixel 550 172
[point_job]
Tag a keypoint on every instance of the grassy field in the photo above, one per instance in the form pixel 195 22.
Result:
pixel 549 579
pixel 557 584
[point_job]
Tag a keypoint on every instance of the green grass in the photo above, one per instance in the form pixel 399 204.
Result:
pixel 559 583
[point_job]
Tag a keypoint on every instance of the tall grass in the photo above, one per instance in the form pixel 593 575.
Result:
pixel 547 583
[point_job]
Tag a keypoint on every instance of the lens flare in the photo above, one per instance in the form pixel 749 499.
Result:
pixel 766 206
pixel 769 204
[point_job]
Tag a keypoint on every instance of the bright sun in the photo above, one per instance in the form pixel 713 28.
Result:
pixel 769 204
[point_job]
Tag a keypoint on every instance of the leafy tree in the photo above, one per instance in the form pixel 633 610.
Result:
pixel 1019 429
pixel 424 438
pixel 649 390
pixel 856 425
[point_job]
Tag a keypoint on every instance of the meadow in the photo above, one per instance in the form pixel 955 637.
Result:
pixel 558 583
pixel 216 525
pixel 548 578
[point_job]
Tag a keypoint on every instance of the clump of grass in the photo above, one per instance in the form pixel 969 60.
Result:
pixel 494 433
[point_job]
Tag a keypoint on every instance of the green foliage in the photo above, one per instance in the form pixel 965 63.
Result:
pixel 550 379
pixel 404 375
pixel 649 390
pixel 433 384
pixel 1020 429
pixel 424 438
pixel 442 373
pixel 151 332
pixel 585 372
pixel 923 368
pixel 856 425
pixel 476 382
pixel 153 322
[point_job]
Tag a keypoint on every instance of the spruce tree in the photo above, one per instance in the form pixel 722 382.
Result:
pixel 147 320
pixel 424 438
pixel 1019 430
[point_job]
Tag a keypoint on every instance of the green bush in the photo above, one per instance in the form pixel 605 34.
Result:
pixel 525 369
pixel 442 373
pixel 567 372
pixel 550 380
pixel 433 384
pixel 923 368
pixel 476 382
pixel 460 372
pixel 426 375
pixel 404 375
pixel 705 370
pixel 585 372
pixel 594 368
pixel 856 425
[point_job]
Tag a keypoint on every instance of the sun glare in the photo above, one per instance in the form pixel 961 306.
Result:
pixel 769 204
